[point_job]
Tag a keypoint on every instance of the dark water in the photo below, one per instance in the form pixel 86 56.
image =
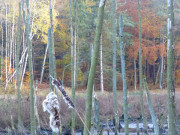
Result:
pixel 108 129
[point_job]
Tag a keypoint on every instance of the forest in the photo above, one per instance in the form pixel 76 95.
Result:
pixel 89 67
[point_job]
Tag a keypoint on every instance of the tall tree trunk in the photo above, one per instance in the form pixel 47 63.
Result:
pixel 17 70
pixel 101 67
pixel 74 82
pixel 141 71
pixel 73 75
pixel 161 79
pixel 170 70
pixel 125 104
pixel 29 44
pixel 114 63
pixel 93 67
pixel 51 49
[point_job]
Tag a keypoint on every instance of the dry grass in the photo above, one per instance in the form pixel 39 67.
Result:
pixel 8 107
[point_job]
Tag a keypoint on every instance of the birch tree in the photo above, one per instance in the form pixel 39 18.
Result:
pixel 91 77
pixel 170 70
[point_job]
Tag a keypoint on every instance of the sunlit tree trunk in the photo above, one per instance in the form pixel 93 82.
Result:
pixel 24 69
pixel 125 104
pixel 29 45
pixel 17 70
pixel 92 72
pixel 114 63
pixel 25 57
pixel 101 67
pixel 170 70
pixel 141 71
pixel 44 61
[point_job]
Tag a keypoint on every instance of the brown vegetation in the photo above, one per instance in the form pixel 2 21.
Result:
pixel 8 108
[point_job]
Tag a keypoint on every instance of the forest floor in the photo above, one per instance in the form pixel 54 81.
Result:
pixel 8 106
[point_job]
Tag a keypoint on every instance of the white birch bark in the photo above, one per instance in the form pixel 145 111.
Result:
pixel 24 70
pixel 101 67
pixel 11 44
pixel 44 61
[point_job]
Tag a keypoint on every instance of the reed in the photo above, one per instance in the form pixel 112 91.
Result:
pixel 67 99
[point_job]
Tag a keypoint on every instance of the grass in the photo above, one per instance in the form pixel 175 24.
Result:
pixel 8 105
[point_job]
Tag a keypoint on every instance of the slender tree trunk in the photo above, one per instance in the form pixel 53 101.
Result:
pixel 157 74
pixel 93 67
pixel 151 110
pixel 162 70
pixel 36 108
pixel 72 67
pixel 11 45
pixel 17 70
pixel 141 71
pixel 29 44
pixel 24 70
pixel 6 43
pixel 114 63
pixel 101 67
pixel 161 79
pixel 2 48
pixel 52 40
pixel 125 104
pixel 170 70
pixel 44 61
pixel 135 76
pixel 74 82
pixel 50 51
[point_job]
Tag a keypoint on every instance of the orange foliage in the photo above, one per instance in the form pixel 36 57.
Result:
pixel 151 26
